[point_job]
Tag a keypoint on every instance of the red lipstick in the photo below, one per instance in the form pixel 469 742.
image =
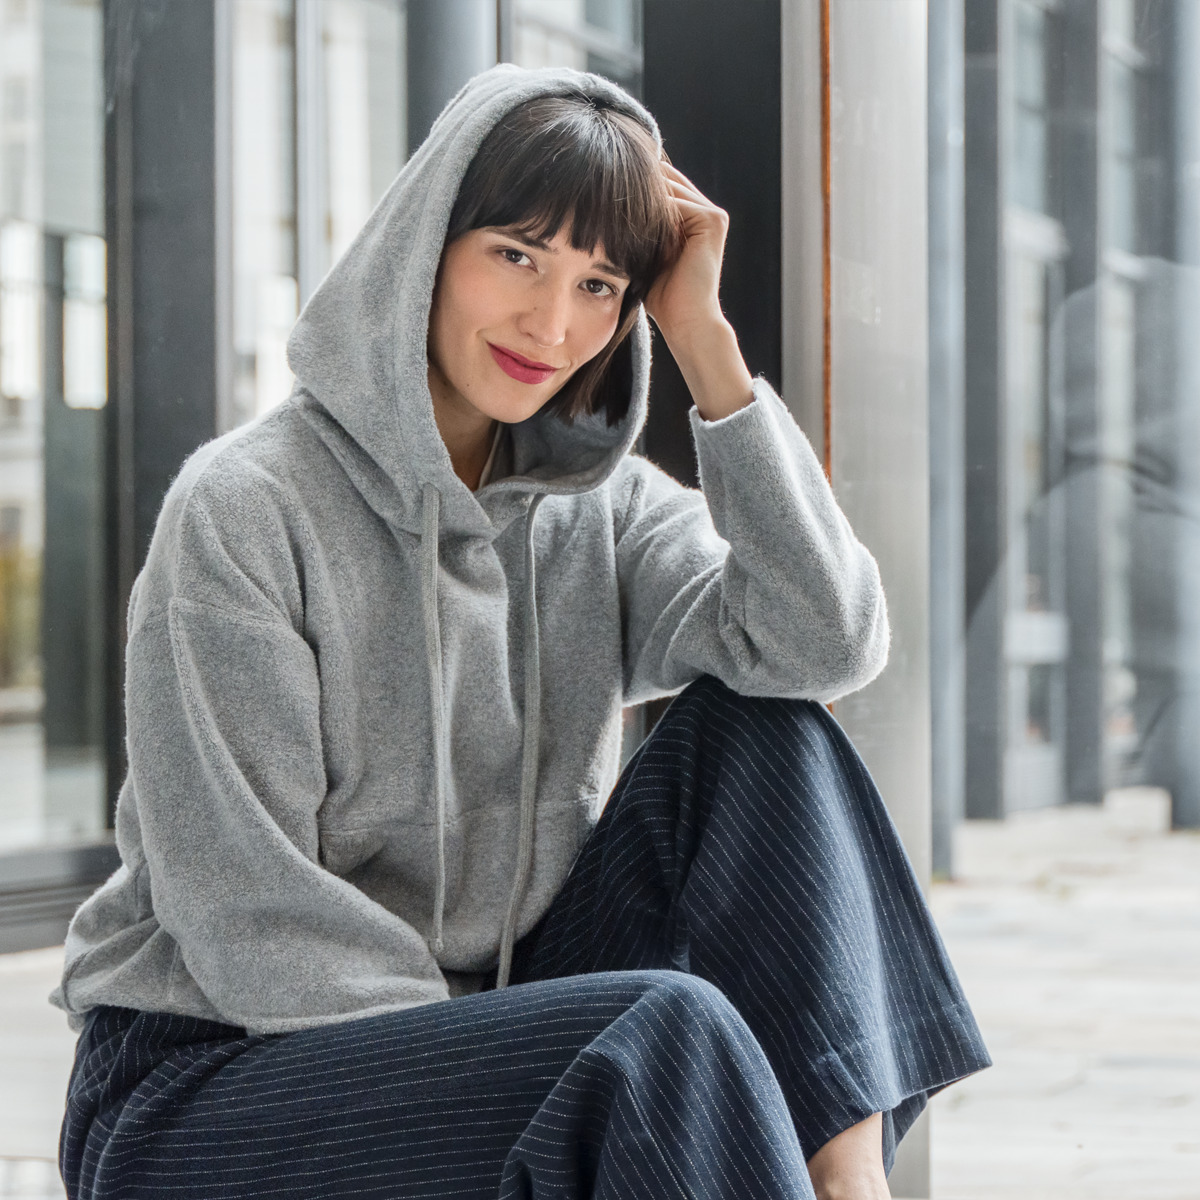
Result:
pixel 519 367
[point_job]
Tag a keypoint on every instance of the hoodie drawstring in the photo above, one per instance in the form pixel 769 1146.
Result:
pixel 530 740
pixel 529 751
pixel 430 504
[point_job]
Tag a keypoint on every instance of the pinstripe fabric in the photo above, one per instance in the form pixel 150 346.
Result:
pixel 746 843
pixel 739 966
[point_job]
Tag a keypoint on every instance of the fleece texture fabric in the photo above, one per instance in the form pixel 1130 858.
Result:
pixel 373 715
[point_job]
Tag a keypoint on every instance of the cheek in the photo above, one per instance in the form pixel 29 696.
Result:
pixel 597 330
pixel 456 314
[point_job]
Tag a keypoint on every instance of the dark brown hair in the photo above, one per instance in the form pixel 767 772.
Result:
pixel 576 159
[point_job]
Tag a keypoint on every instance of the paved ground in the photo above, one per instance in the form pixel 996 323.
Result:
pixel 35 1060
pixel 1077 935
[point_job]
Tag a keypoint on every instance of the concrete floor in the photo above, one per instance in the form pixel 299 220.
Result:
pixel 1076 933
pixel 1077 936
pixel 35 1060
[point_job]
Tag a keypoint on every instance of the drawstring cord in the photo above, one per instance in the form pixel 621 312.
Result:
pixel 530 746
pixel 530 740
pixel 431 501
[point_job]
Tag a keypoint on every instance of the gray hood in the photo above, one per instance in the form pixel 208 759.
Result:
pixel 359 347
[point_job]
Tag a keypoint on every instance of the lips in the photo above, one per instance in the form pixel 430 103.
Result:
pixel 520 368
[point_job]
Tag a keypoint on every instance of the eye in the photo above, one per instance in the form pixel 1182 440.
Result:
pixel 507 250
pixel 612 291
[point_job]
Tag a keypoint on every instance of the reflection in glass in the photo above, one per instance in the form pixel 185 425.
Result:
pixel 1029 114
pixel 1122 157
pixel 365 110
pixel 1085 641
pixel 264 204
pixel 20 315
pixel 85 322
pixel 53 389
pixel 604 36
pixel 1118 439
pixel 318 135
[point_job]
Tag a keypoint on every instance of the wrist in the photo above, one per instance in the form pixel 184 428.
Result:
pixel 712 366
pixel 698 335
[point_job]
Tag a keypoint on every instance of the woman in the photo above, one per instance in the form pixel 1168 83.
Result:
pixel 376 665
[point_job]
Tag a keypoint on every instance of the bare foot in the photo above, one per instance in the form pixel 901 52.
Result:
pixel 850 1166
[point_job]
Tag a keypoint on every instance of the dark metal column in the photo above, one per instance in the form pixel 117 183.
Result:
pixel 161 221
pixel 448 42
pixel 712 80
pixel 984 384
pixel 1078 329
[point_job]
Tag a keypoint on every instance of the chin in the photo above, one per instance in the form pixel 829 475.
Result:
pixel 513 412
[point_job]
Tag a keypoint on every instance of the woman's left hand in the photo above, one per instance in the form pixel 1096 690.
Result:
pixel 683 300
pixel 685 306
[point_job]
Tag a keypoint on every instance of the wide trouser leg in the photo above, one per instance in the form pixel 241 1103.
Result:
pixel 613 1085
pixel 746 843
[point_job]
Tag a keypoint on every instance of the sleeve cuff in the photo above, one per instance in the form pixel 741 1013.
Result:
pixel 764 426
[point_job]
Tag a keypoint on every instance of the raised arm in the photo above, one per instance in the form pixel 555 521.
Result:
pixel 758 580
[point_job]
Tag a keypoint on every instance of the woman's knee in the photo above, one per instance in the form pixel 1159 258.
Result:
pixel 741 721
pixel 708 688
pixel 690 1000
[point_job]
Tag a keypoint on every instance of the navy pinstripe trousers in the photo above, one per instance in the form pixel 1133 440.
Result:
pixel 739 966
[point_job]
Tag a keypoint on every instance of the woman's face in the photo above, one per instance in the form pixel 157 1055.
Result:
pixel 502 302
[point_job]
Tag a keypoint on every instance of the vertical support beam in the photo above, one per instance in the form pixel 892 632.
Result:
pixel 223 33
pixel 506 20
pixel 312 201
pixel 1185 789
pixel 947 641
pixel 1078 330
pixel 160 198
pixel 983 426
pixel 448 42
pixel 880 366
pixel 713 84
pixel 879 384
pixel 802 236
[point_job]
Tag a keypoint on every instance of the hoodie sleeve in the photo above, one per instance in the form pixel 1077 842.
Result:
pixel 759 581
pixel 227 775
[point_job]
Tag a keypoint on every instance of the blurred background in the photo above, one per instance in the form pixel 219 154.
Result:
pixel 965 246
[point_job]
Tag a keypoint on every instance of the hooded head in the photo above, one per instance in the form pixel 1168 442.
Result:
pixel 360 345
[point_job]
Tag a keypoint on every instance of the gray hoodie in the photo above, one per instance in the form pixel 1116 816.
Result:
pixel 373 715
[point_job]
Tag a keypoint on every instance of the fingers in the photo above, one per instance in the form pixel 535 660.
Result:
pixel 681 186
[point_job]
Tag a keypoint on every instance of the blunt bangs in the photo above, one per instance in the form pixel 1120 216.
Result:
pixel 573 160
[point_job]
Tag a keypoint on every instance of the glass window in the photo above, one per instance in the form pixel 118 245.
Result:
pixel 1121 198
pixel 1098 430
pixel 604 36
pixel 264 204
pixel 365 110
pixel 1118 447
pixel 85 322
pixel 319 121
pixel 53 389
pixel 1120 20
pixel 1029 160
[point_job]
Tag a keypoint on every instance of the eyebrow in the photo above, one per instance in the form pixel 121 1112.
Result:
pixel 540 244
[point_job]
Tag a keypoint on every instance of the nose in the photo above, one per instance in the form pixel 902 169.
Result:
pixel 546 319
